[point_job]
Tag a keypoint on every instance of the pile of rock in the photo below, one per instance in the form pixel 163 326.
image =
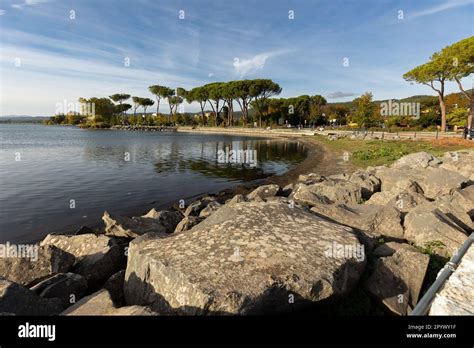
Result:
pixel 272 250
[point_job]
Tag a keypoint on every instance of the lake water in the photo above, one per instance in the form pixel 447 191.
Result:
pixel 56 179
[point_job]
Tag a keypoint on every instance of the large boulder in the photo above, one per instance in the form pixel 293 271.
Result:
pixel 98 303
pixel 68 287
pixel 97 257
pixel 388 249
pixel 132 311
pixel 187 223
pixel 434 181
pixel 154 221
pixel 264 192
pixel 465 199
pixel 19 300
pixel 43 262
pixel 209 209
pixel 339 191
pixel 303 195
pixel 461 162
pixel 417 160
pixel 434 230
pixel 409 196
pixel 310 178
pixel 246 258
pixel 375 221
pixel 368 182
pixel 115 287
pixel 397 280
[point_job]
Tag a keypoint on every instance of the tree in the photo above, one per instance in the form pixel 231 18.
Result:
pixel 174 102
pixel 434 71
pixel 145 103
pixel 261 90
pixel 119 97
pixel 364 113
pixel 159 92
pixel 215 97
pixel 229 94
pixel 102 106
pixel 136 104
pixel 241 90
pixel 461 58
pixel 199 95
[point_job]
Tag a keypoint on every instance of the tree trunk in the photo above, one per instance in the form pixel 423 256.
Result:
pixel 157 106
pixel 443 112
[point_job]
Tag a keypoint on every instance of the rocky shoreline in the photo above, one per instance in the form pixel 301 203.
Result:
pixel 309 244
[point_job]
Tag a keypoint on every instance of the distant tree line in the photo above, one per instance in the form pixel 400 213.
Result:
pixel 257 103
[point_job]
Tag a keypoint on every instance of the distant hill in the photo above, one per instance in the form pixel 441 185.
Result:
pixel 22 119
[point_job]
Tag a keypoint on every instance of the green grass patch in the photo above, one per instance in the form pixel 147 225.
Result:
pixel 364 153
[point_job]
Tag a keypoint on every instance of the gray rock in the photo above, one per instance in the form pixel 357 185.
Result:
pixel 194 208
pixel 461 162
pixel 97 257
pixel 465 199
pixel 28 270
pixel 17 299
pixel 435 230
pixel 286 191
pixel 375 221
pixel 417 160
pixel 303 195
pixel 209 209
pixel 339 191
pixel 369 183
pixel 403 198
pixel 310 178
pixel 132 311
pixel 264 192
pixel 154 221
pixel 98 303
pixel 237 199
pixel 187 223
pixel 397 280
pixel 433 181
pixel 68 287
pixel 388 249
pixel 245 258
pixel 439 181
pixel 114 285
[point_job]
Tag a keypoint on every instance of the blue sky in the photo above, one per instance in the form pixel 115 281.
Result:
pixel 63 59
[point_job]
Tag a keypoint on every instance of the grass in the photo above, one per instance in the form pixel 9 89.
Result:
pixel 364 153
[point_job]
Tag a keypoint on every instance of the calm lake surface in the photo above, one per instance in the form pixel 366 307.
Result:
pixel 56 179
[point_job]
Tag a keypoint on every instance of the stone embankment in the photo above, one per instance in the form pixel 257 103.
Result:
pixel 276 249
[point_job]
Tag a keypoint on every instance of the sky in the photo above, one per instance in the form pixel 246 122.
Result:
pixel 55 51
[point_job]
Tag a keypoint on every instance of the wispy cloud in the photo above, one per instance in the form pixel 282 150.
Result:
pixel 2 12
pixel 246 66
pixel 447 5
pixel 339 95
pixel 19 6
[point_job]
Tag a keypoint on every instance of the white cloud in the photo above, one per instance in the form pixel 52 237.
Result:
pixel 244 67
pixel 17 6
pixel 35 2
pixel 2 12
pixel 447 5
